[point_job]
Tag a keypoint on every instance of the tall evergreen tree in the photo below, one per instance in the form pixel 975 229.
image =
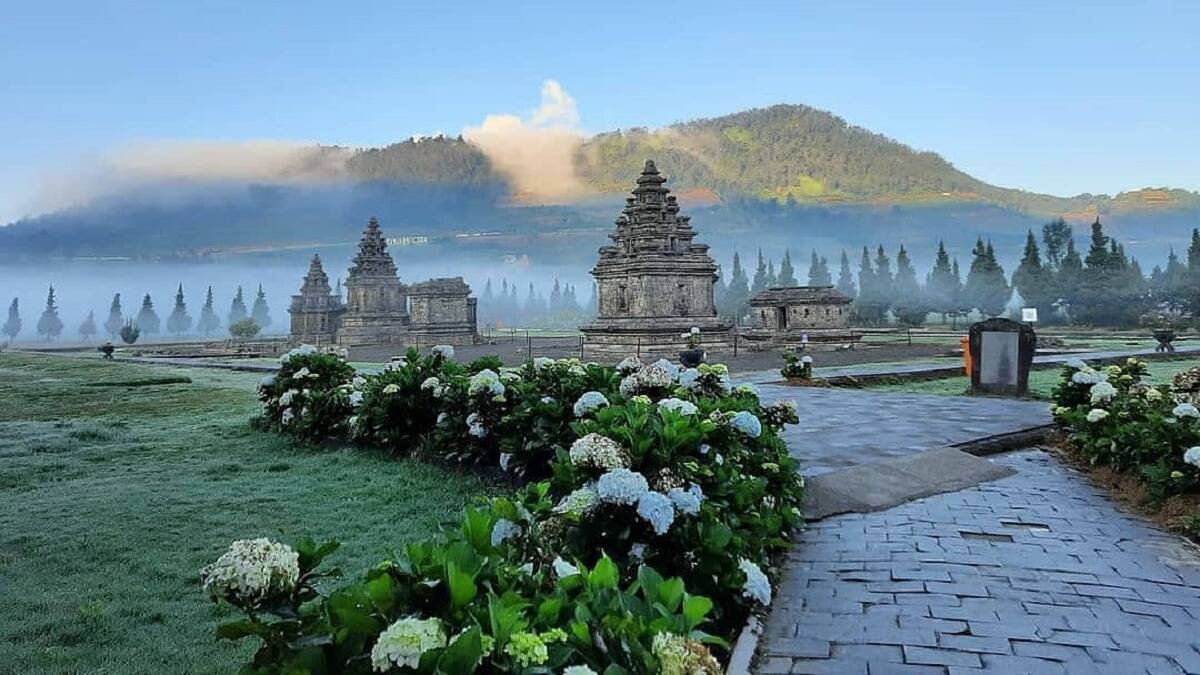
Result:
pixel 115 320
pixel 237 309
pixel 1191 280
pixel 49 326
pixel 818 271
pixel 261 312
pixel 737 295
pixel 147 319
pixel 208 316
pixel 88 328
pixel 942 286
pixel 1172 288
pixel 771 279
pixel 845 284
pixel 884 281
pixel 986 288
pixel 906 287
pixel 760 274
pixel 1032 279
pixel 787 273
pixel 179 321
pixel 1068 281
pixel 870 305
pixel 12 327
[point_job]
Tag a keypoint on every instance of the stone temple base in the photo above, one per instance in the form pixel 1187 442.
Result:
pixel 618 338
pixel 436 335
pixel 372 330
pixel 818 338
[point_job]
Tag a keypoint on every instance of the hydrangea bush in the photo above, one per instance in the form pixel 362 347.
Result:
pixel 313 396
pixel 625 471
pixel 1117 420
pixel 796 367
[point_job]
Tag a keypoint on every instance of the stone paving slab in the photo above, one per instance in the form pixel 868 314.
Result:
pixel 840 428
pixel 1035 573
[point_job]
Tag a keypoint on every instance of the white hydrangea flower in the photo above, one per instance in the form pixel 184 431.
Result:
pixel 628 365
pixel 1102 391
pixel 628 386
pixel 667 367
pixel 503 530
pixel 356 399
pixel 287 416
pixel 505 458
pixel 580 502
pixel 601 452
pixel 1076 363
pixel 807 360
pixel 687 501
pixel 578 670
pixel 477 430
pixel 622 486
pixel 301 374
pixel 747 389
pixel 1096 414
pixel 746 423
pixel 252 570
pixel 658 510
pixel 1089 376
pixel 1153 394
pixel 402 643
pixel 358 382
pixel 302 350
pixel 485 380
pixel 589 402
pixel 287 397
pixel 542 362
pixel 547 400
pixel 430 383
pixel 563 568
pixel 442 417
pixel 637 551
pixel 679 406
pixel 392 389
pixel 1192 456
pixel 757 587
pixel 1185 410
pixel 446 351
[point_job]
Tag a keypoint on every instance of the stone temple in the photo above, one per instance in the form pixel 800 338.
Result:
pixel 654 282
pixel 379 309
pixel 800 316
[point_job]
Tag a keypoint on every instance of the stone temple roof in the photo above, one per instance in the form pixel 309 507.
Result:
pixel 316 282
pixel 373 258
pixel 442 286
pixel 799 295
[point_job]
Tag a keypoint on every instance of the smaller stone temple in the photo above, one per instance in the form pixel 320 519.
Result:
pixel 379 309
pixel 315 311
pixel 442 311
pixel 655 283
pixel 794 316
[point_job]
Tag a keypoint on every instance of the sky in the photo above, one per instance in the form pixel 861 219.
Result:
pixel 1057 97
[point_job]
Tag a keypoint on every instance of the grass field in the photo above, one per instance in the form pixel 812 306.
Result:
pixel 117 484
pixel 1041 382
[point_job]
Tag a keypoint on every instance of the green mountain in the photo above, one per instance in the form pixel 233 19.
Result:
pixel 784 153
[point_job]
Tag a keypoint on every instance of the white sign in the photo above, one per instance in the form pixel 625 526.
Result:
pixel 1029 314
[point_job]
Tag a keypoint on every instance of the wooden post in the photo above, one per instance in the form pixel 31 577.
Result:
pixel 528 344
pixel 639 347
pixel 580 347
pixel 735 344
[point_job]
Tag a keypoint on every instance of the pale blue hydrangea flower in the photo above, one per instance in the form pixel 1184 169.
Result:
pixel 1185 410
pixel 356 399
pixel 542 362
pixel 688 378
pixel 687 501
pixel 547 400
pixel 666 366
pixel 504 530
pixel 563 568
pixel 1102 391
pixel 629 364
pixel 266 381
pixel 622 486
pixel 1192 456
pixel 656 509
pixel 302 350
pixel 485 380
pixel 746 423
pixel 757 587
pixel 1076 363
pixel 679 406
pixel 589 402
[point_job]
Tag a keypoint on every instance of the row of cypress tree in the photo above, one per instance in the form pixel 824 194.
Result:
pixel 179 321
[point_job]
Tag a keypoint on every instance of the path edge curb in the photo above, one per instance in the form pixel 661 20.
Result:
pixel 745 648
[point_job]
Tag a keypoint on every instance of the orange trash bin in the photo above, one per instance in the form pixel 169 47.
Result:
pixel 965 342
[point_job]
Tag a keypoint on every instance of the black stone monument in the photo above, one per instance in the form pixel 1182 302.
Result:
pixel 1001 355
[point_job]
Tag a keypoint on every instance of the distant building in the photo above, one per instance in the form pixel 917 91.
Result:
pixel 654 282
pixel 796 315
pixel 376 310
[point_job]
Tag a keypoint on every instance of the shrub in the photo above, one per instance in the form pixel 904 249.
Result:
pixel 246 328
pixel 130 332
pixel 796 367
pixel 627 470
pixel 1116 420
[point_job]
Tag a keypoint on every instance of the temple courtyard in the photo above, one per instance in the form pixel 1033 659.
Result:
pixel 943 539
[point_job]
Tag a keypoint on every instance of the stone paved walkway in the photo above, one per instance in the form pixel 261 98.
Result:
pixel 840 428
pixel 1035 573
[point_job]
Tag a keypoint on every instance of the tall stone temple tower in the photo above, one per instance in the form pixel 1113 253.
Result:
pixel 654 282
pixel 376 301
pixel 316 310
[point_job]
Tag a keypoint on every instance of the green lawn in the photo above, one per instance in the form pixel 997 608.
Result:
pixel 1041 382
pixel 112 497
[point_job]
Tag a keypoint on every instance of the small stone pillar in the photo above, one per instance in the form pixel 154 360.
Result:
pixel 1001 356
